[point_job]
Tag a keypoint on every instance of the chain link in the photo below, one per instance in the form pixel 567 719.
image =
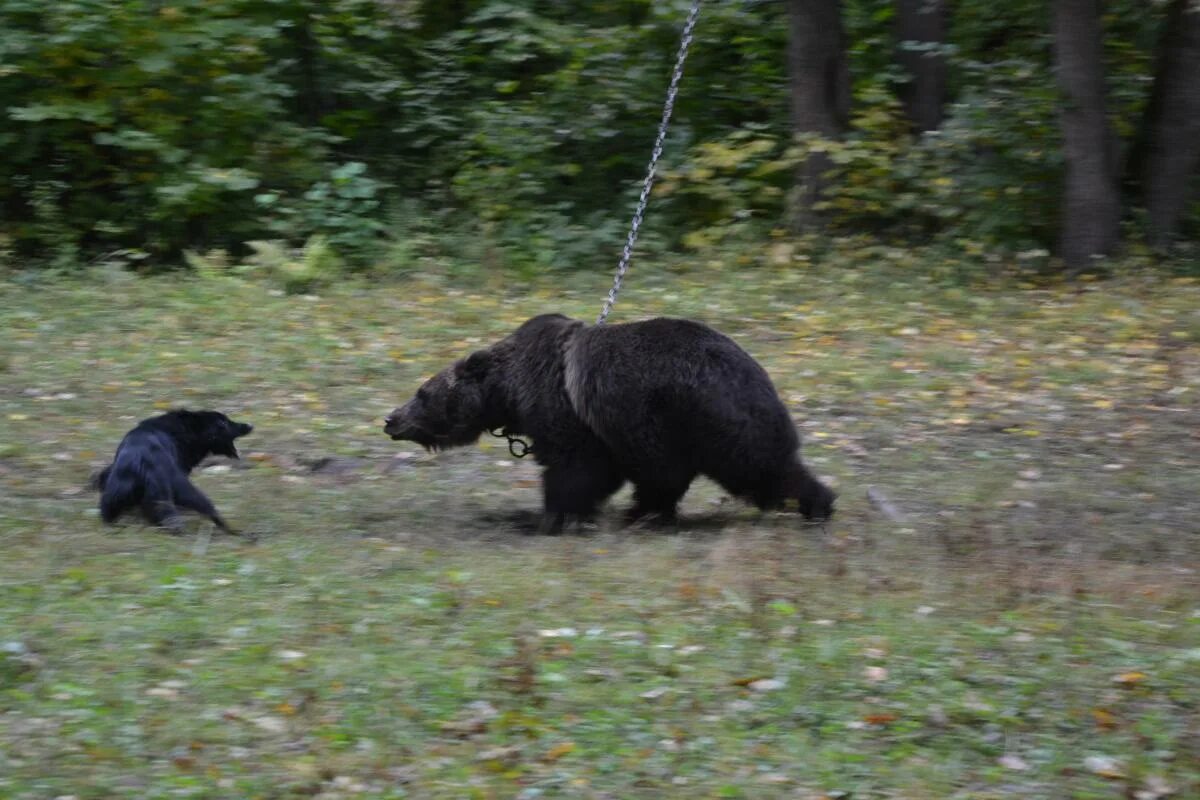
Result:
pixel 668 107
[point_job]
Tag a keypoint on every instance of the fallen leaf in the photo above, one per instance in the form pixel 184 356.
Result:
pixel 1130 678
pixel 748 681
pixel 1155 788
pixel 1104 766
pixel 464 727
pixel 270 724
pixel 503 755
pixel 1014 762
pixel 879 719
pixel 554 633
pixel 473 720
pixel 1104 718
pixel 774 778
pixel 875 674
pixel 558 751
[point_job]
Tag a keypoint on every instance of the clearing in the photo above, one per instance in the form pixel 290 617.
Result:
pixel 1022 621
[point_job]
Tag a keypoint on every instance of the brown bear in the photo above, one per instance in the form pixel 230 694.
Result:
pixel 655 402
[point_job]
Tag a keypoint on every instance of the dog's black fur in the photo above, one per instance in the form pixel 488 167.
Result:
pixel 656 403
pixel 150 470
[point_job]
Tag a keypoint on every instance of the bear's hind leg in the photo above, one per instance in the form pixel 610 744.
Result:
pixel 797 490
pixel 656 502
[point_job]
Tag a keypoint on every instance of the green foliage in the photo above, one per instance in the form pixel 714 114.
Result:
pixel 312 266
pixel 982 184
pixel 520 129
pixel 136 125
pixel 344 209
pixel 723 189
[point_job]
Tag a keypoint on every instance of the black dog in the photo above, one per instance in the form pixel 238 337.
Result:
pixel 152 463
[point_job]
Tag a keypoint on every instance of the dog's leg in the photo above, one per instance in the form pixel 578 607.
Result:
pixel 163 514
pixel 188 496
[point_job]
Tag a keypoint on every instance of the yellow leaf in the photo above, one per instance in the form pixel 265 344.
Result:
pixel 559 750
pixel 1130 678
pixel 879 719
pixel 1104 718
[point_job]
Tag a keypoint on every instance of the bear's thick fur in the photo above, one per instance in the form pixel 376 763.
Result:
pixel 656 403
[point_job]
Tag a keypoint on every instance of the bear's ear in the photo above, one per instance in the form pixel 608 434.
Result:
pixel 475 365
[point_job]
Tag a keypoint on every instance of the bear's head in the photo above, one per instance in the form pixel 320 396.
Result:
pixel 449 410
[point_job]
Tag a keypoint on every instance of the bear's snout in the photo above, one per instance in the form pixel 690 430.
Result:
pixel 392 424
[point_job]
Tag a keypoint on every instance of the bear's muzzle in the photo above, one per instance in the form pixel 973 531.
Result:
pixel 393 424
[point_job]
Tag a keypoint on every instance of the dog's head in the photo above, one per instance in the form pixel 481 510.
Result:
pixel 449 410
pixel 215 431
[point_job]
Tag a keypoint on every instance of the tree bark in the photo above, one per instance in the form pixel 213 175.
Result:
pixel 1091 206
pixel 1171 129
pixel 924 95
pixel 819 79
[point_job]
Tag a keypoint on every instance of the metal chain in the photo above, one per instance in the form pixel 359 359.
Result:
pixel 668 107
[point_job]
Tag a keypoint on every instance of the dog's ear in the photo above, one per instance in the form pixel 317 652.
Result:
pixel 475 366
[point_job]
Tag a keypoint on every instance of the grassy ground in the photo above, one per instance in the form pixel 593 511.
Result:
pixel 1022 621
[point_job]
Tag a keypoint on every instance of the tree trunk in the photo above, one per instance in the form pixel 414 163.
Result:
pixel 1091 206
pixel 922 22
pixel 820 93
pixel 1171 128
pixel 309 97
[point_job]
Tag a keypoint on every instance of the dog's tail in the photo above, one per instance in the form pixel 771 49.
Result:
pixel 120 492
